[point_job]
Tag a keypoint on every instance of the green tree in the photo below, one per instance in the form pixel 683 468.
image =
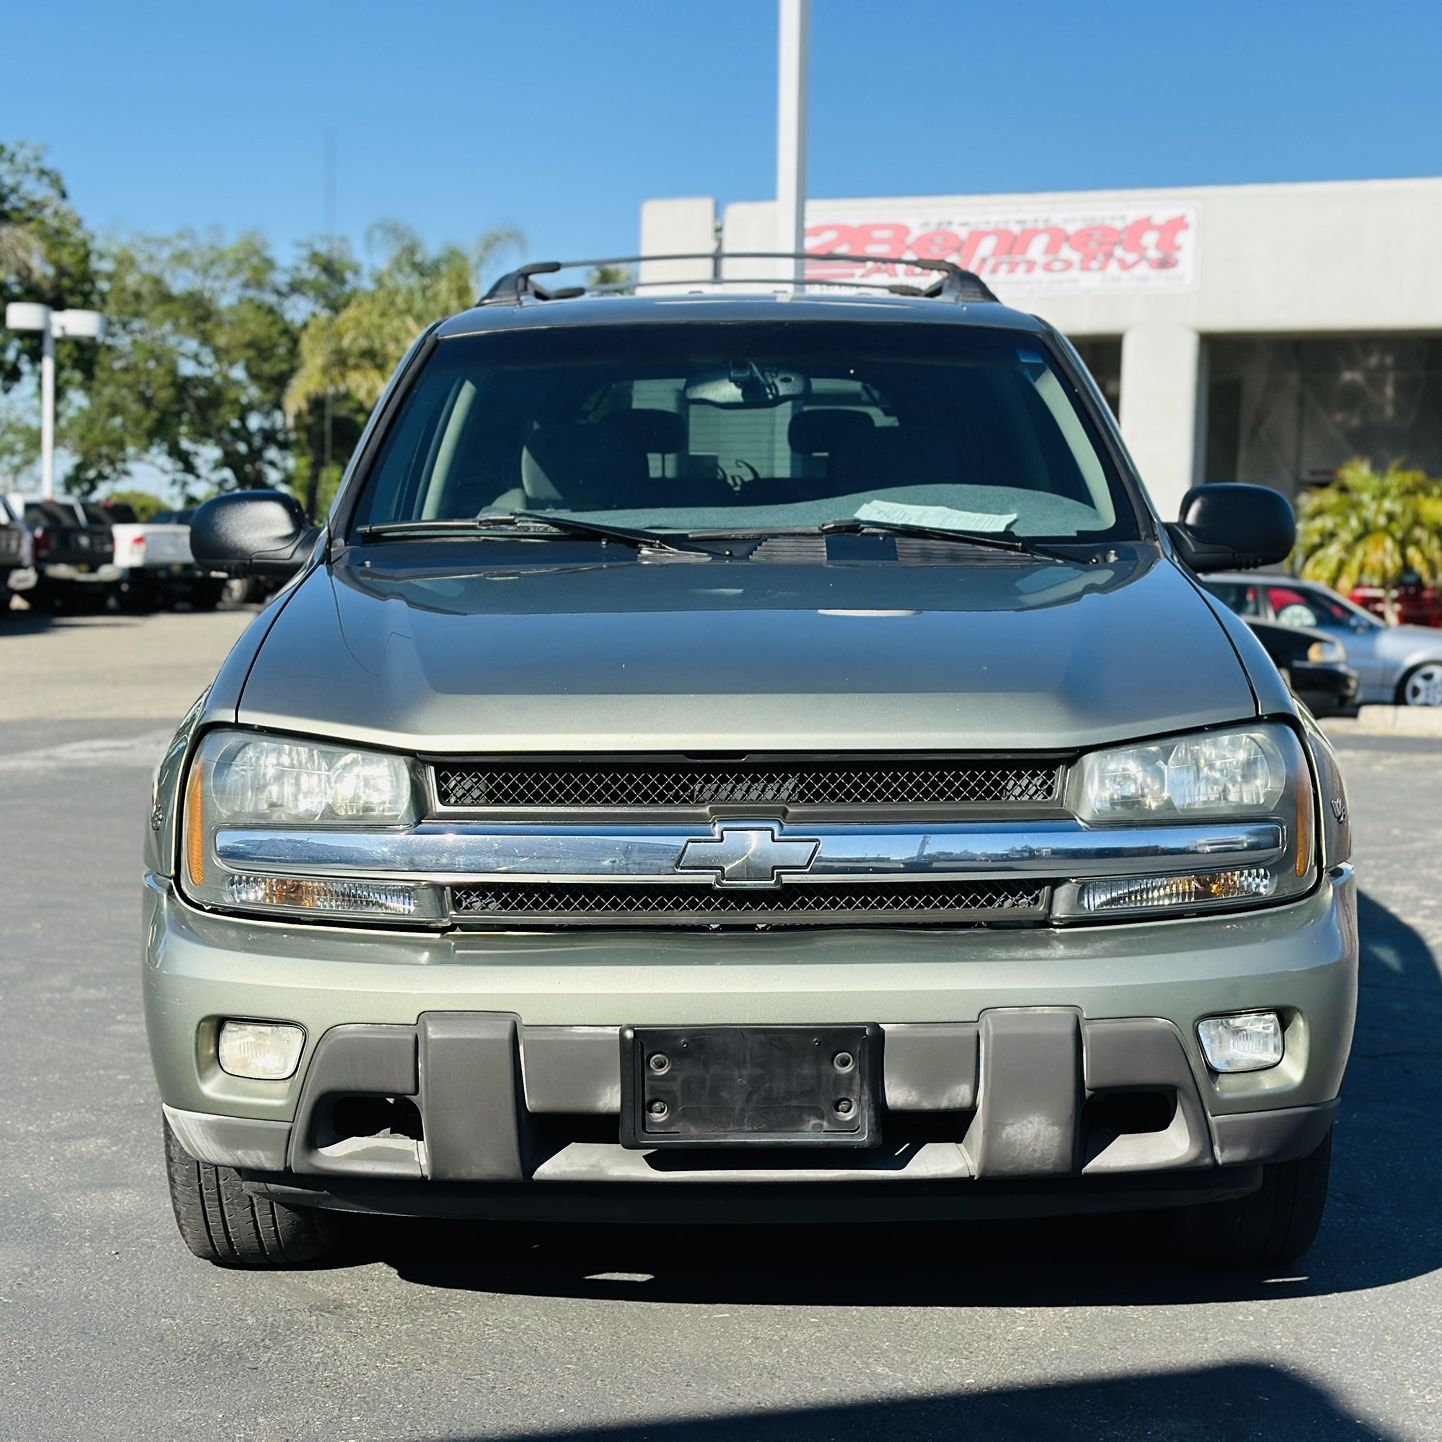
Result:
pixel 45 255
pixel 611 277
pixel 327 425
pixel 200 348
pixel 1369 527
pixel 145 504
pixel 350 354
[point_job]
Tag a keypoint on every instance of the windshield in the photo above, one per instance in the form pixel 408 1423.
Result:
pixel 750 428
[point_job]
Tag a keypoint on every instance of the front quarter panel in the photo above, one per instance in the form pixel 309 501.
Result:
pixel 1336 819
pixel 216 705
pixel 1273 696
pixel 163 822
pixel 1404 647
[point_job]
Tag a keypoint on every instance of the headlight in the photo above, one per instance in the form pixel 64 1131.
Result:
pixel 243 781
pixel 1220 773
pixel 261 779
pixel 1326 652
pixel 1252 774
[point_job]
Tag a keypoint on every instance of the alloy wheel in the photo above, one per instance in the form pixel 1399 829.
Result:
pixel 1424 686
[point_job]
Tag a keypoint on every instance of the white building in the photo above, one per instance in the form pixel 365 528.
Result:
pixel 1258 333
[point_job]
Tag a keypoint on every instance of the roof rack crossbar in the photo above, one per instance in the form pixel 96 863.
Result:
pixel 953 283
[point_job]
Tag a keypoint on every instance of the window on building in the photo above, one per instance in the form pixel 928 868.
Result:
pixel 1288 413
pixel 1103 358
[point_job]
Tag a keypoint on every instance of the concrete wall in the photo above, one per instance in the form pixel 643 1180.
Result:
pixel 1310 259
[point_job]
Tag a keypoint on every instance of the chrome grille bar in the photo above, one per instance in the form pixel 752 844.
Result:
pixel 454 852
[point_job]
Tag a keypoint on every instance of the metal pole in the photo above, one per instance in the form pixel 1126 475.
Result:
pixel 47 408
pixel 793 49
pixel 330 245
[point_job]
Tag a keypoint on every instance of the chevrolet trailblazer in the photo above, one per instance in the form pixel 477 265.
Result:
pixel 738 755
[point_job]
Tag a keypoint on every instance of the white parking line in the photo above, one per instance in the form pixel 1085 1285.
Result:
pixel 143 750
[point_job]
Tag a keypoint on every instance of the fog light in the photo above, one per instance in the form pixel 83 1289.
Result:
pixel 263 1050
pixel 1246 1041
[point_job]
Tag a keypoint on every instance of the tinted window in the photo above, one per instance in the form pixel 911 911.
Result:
pixel 1307 606
pixel 749 426
pixel 47 513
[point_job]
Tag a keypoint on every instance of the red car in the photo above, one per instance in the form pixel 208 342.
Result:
pixel 1416 604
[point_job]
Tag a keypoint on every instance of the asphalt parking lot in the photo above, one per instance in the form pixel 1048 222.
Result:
pixel 110 1329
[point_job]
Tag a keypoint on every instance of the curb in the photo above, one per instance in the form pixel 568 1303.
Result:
pixel 1401 721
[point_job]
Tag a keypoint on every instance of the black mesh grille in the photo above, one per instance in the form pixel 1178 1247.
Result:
pixel 929 901
pixel 779 783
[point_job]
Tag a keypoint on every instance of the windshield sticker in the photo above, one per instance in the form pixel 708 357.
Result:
pixel 943 518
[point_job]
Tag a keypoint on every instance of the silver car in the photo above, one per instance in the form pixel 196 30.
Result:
pixel 747 755
pixel 1395 664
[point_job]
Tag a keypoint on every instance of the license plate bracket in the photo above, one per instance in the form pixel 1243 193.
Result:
pixel 751 1086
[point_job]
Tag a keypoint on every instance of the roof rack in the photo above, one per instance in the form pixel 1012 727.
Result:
pixel 953 283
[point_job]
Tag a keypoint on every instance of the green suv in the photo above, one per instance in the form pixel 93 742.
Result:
pixel 743 755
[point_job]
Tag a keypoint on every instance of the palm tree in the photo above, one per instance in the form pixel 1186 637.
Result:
pixel 1369 528
pixel 353 353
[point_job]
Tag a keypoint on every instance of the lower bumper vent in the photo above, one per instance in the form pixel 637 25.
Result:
pixel 935 903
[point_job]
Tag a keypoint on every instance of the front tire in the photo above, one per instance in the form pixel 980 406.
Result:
pixel 222 1223
pixel 1267 1228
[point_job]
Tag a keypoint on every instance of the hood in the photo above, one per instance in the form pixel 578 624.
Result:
pixel 734 655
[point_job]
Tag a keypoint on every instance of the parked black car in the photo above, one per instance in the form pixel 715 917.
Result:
pixel 1313 664
pixel 74 553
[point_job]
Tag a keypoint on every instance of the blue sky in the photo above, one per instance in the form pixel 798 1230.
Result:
pixel 561 116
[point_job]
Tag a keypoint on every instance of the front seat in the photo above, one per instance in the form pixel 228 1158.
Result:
pixel 908 455
pixel 585 466
pixel 826 436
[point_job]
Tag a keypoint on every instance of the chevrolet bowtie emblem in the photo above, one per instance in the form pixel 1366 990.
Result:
pixel 746 856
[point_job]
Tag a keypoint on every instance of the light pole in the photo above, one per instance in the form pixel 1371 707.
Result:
pixel 75 324
pixel 794 43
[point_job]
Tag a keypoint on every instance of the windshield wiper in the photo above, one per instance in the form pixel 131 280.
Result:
pixel 626 535
pixel 537 525
pixel 853 526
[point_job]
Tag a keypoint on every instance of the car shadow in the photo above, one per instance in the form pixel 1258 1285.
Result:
pixel 30 622
pixel 1382 1224
pixel 1222 1404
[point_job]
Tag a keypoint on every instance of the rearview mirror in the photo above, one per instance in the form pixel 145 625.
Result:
pixel 743 383
pixel 1233 527
pixel 252 533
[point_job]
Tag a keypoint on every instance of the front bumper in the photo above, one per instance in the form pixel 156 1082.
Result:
pixel 1324 687
pixel 61 572
pixel 999 1047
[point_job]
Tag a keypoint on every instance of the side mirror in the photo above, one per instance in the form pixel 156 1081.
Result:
pixel 1233 527
pixel 252 533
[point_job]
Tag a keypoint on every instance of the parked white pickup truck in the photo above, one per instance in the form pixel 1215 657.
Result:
pixel 159 569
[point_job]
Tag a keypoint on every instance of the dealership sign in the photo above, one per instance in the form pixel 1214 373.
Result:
pixel 1067 250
